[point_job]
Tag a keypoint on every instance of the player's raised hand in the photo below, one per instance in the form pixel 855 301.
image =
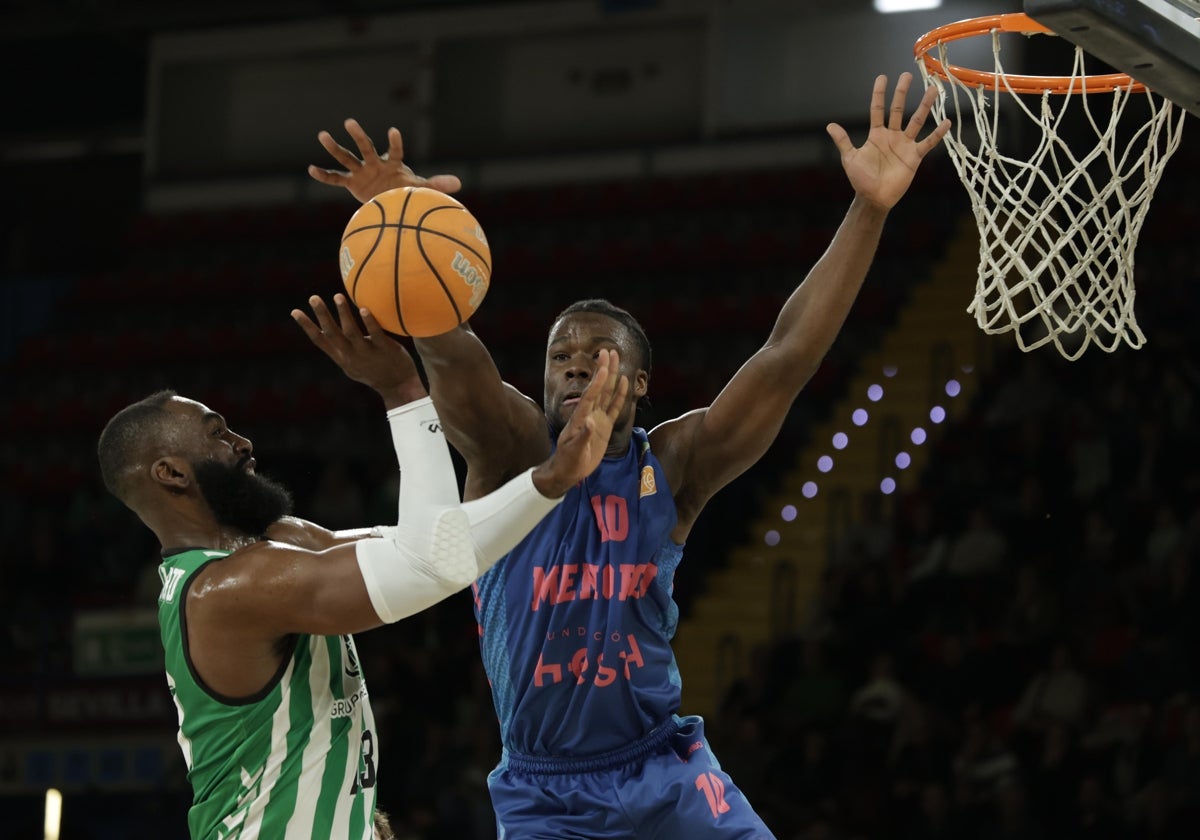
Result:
pixel 882 169
pixel 584 440
pixel 366 353
pixel 369 173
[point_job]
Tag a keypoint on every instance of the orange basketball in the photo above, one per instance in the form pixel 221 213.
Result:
pixel 417 259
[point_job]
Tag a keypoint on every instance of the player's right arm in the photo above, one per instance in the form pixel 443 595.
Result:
pixel 498 430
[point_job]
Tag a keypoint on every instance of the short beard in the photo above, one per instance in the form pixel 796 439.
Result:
pixel 241 500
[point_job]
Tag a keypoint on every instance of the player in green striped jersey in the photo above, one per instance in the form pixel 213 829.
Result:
pixel 258 608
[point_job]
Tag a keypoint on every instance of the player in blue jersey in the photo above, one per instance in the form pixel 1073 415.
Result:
pixel 576 622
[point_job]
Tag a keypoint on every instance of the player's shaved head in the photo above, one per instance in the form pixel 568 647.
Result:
pixel 126 439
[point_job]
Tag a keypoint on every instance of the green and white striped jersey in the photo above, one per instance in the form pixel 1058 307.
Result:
pixel 297 760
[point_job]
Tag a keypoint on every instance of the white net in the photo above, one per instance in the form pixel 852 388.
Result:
pixel 1058 224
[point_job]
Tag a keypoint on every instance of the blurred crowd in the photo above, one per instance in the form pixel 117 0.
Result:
pixel 1011 651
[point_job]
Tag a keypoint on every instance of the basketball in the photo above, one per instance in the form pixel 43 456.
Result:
pixel 417 259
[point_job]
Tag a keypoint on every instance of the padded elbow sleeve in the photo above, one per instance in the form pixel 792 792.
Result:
pixel 413 566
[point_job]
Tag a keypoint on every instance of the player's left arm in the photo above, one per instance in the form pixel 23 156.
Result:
pixel 706 449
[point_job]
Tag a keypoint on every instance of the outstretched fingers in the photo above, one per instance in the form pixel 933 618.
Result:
pixel 395 150
pixel 878 93
pixel 617 387
pixel 322 314
pixel 351 162
pixel 366 149
pixel 585 412
pixel 917 122
pixel 330 334
pixel 306 324
pixel 840 138
pixel 328 176
pixel 924 108
pixel 444 183
pixel 374 330
pixel 338 152
pixel 322 332
pixel 585 437
pixel 935 137
pixel 896 117
pixel 921 115
pixel 598 392
pixel 605 394
pixel 348 323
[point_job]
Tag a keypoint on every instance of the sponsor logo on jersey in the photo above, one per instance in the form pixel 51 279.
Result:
pixel 586 581
pixel 345 707
pixel 585 670
pixel 648 487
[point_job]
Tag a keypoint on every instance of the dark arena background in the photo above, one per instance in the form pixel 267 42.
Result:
pixel 960 596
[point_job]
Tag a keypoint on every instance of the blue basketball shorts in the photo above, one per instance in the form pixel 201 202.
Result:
pixel 667 785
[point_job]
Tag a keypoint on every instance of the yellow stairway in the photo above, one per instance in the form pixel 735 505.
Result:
pixel 933 340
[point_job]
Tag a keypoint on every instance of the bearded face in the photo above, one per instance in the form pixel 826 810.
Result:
pixel 240 499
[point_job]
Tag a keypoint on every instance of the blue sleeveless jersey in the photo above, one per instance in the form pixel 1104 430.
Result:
pixel 575 623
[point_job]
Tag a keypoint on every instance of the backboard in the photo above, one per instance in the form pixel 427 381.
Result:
pixel 1157 42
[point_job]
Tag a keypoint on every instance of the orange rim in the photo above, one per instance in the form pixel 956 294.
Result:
pixel 1016 22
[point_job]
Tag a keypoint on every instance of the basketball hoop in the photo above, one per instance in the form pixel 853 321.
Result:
pixel 1057 228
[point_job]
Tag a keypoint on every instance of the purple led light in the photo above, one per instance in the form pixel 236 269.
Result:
pixel 903 460
pixel 888 486
pixel 953 388
pixel 771 538
pixel 859 417
pixel 788 513
pixel 824 463
pixel 937 414
pixel 875 393
pixel 840 440
pixel 889 371
pixel 917 436
pixel 809 489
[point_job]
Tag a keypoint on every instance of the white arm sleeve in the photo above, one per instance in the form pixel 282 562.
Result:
pixel 504 517
pixel 426 471
pixel 440 546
